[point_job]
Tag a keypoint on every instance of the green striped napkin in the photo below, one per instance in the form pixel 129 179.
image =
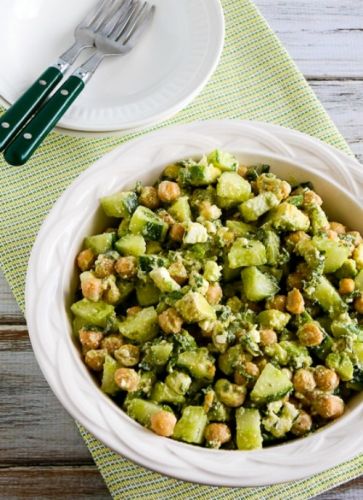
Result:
pixel 256 80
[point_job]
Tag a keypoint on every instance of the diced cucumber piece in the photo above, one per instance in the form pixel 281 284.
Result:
pixel 246 252
pixel 125 288
pixel 162 393
pixel 257 285
pixel 131 244
pixel 99 243
pixel 158 354
pixel 271 385
pixel 163 280
pixel 194 308
pixel 274 319
pixel 233 187
pixel 190 427
pixel 287 217
pixel 240 228
pixel 78 324
pixel 108 384
pixel 335 253
pixel 347 270
pixel 271 240
pixel 318 219
pixel 145 222
pixel 297 200
pixel 142 411
pixel 178 381
pixel 180 209
pixel 358 353
pixel 147 294
pixel 119 204
pixel 327 296
pixel 248 429
pixel 141 327
pixel 359 281
pixel 342 364
pixel 198 175
pixel 253 208
pixel 198 362
pixel 224 161
pixel 94 313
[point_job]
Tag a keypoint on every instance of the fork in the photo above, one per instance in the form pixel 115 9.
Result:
pixel 19 113
pixel 116 37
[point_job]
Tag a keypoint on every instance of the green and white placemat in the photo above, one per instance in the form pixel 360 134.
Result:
pixel 257 80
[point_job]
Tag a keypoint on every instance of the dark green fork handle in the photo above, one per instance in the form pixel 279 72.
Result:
pixel 33 134
pixel 19 113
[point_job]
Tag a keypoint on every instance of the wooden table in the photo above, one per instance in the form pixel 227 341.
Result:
pixel 41 452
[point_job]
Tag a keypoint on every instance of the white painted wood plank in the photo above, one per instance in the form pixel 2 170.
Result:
pixel 324 37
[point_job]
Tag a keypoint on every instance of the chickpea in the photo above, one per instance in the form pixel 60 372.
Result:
pixel 239 379
pixel 177 232
pixel 112 294
pixel 329 406
pixel 208 400
pixel 168 191
pixel 357 238
pixel 85 259
pixel 310 197
pixel 126 267
pixel 231 395
pixel 166 217
pixel 261 363
pixel 337 227
pixel 358 304
pixel 128 355
pixel 170 321
pixel 112 342
pixel 294 238
pixel 214 293
pixel 268 337
pixel 326 379
pixel 132 311
pixel 104 267
pixel 332 235
pixel 295 302
pixel 277 302
pixel 149 197
pixel 178 272
pixel 251 369
pixel 127 379
pixel 91 286
pixel 209 211
pixel 303 381
pixel 302 424
pixel 217 434
pixel 242 170
pixel 95 358
pixel 163 423
pixel 310 335
pixel 346 285
pixel 295 280
pixel 90 339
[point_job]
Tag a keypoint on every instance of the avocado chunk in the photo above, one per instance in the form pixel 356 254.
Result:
pixel 271 385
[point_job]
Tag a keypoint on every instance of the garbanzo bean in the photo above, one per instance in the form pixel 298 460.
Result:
pixel 112 342
pixel 85 259
pixel 214 293
pixel 126 267
pixel 127 379
pixel 311 198
pixel 326 379
pixel 176 232
pixel 358 304
pixel 178 272
pixel 163 423
pixel 131 311
pixel 95 358
pixel 217 434
pixel 268 337
pixel 346 285
pixel 149 197
pixel 277 302
pixel 310 335
pixel 92 287
pixel 303 381
pixel 170 321
pixel 168 191
pixel 90 339
pixel 128 355
pixel 302 424
pixel 329 406
pixel 104 266
pixel 338 227
pixel 295 302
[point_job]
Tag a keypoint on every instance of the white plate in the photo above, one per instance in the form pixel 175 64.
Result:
pixel 48 296
pixel 165 71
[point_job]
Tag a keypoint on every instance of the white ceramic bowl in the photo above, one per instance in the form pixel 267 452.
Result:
pixel 50 282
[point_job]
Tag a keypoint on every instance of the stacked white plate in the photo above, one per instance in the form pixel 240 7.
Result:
pixel 166 70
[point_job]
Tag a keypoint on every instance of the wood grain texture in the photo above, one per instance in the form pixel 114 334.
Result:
pixel 324 37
